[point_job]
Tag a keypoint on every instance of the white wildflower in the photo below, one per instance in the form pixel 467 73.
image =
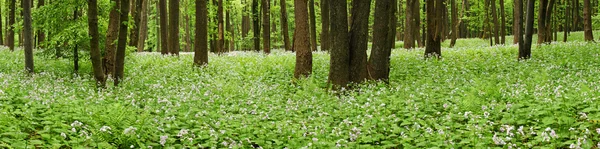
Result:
pixel 73 130
pixel 182 132
pixel 315 139
pixel 445 105
pixel 598 130
pixel 131 146
pixel 130 130
pixel 62 134
pixel 163 140
pixel 497 140
pixel 76 124
pixel 105 128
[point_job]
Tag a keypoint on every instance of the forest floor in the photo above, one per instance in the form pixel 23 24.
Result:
pixel 474 97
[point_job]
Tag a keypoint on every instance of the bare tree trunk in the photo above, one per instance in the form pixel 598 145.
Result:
pixel 164 27
pixel 256 25
pixel 1 28
pixel 359 38
pixel 587 21
pixel 174 27
pixel 120 57
pixel 136 13
pixel 525 49
pixel 111 38
pixel 28 36
pixel 379 62
pixel 434 26
pixel 284 25
pixel 518 21
pixel 201 40
pixel 143 26
pixel 95 55
pixel 417 16
pixel 245 24
pixel 325 39
pixel 502 23
pixel 541 21
pixel 11 25
pixel 567 24
pixel 496 23
pixel 303 66
pixel 340 51
pixel 266 10
pixel 455 23
pixel 313 25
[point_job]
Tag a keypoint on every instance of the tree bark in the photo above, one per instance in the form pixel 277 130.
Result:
pixel 454 23
pixel 122 44
pixel 143 26
pixel 542 21
pixel 566 23
pixel 496 23
pixel 412 24
pixel 1 28
pixel 417 16
pixel 379 62
pixel 11 25
pixel 518 20
pixel 256 25
pixel 266 24
pixel 284 25
pixel 229 29
pixel 76 49
pixel 221 28
pixel 95 55
pixel 303 66
pixel 434 27
pixel 28 36
pixel 340 55
pixel 174 27
pixel 359 38
pixel 164 27
pixel 313 25
pixel 525 49
pixel 325 25
pixel 587 21
pixel 136 13
pixel 201 37
pixel 502 23
pixel 111 37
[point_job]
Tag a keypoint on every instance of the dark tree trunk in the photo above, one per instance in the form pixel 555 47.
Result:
pixel 303 66
pixel 587 21
pixel 95 55
pixel 567 28
pixel 245 24
pixel 576 17
pixel 502 23
pixel 548 24
pixel 340 51
pixel 284 26
pixel 518 21
pixel 201 40
pixel 136 13
pixel 313 25
pixel 454 23
pixel 393 24
pixel 542 21
pixel 412 24
pixel 495 22
pixel 76 49
pixel 143 26
pixel 221 28
pixel 164 27
pixel 231 33
pixel 324 25
pixel 41 36
pixel 266 10
pixel 525 49
pixel 256 25
pixel 174 27
pixel 359 38
pixel 122 44
pixel 1 28
pixel 11 25
pixel 418 24
pixel 111 37
pixel 379 62
pixel 434 26
pixel 28 36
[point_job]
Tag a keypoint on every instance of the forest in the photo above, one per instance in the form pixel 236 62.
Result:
pixel 299 74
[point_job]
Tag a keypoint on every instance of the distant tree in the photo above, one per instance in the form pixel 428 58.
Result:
pixel 525 49
pixel 455 23
pixel 340 49
pixel 502 23
pixel 1 28
pixel 518 21
pixel 41 35
pixel 256 25
pixel 434 25
pixel 313 25
pixel 28 36
pixel 221 28
pixel 76 49
pixel 567 17
pixel 266 22
pixel 174 29
pixel 95 55
pixel 201 38
pixel 495 22
pixel 11 25
pixel 111 37
pixel 143 30
pixel 164 27
pixel 136 13
pixel 587 21
pixel 284 26
pixel 122 41
pixel 411 24
pixel 301 40
pixel 325 41
pixel 379 62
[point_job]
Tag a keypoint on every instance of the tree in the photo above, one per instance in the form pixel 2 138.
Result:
pixel 256 25
pixel 313 25
pixel 340 51
pixel 41 36
pixel 28 36
pixel 324 25
pixel 1 28
pixel 174 29
pixel 164 27
pixel 434 26
pixel 266 22
pixel 221 31
pixel 455 23
pixel 136 13
pixel 111 37
pixel 518 21
pixel 301 40
pixel 587 21
pixel 284 25
pixel 379 62
pixel 95 55
pixel 359 38
pixel 566 24
pixel 201 40
pixel 11 25
pixel 525 49
pixel 502 23
pixel 411 24
pixel 495 22
pixel 122 41
pixel 143 30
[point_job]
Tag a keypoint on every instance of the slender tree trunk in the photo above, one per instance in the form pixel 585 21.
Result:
pixel 40 34
pixel 525 49
pixel 379 62
pixel 174 29
pixel 502 23
pixel 28 36
pixel 542 21
pixel 313 25
pixel 143 26
pixel 158 30
pixel 417 16
pixel 122 44
pixel 111 37
pixel 229 30
pixel 76 49
pixel 303 66
pixel 359 33
pixel 567 19
pixel 201 34
pixel 256 25
pixel 340 50
pixel 412 24
pixel 576 18
pixel 11 25
pixel 1 28
pixel 518 21
pixel 548 24
pixel 393 24
pixel 266 10
pixel 434 26
pixel 95 55
pixel 137 15
pixel 325 17
pixel 587 21
pixel 454 23
pixel 284 25
pixel 164 27
pixel 496 23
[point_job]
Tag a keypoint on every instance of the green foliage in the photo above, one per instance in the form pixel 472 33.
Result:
pixel 475 97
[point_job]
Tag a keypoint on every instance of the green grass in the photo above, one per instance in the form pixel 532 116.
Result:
pixel 475 97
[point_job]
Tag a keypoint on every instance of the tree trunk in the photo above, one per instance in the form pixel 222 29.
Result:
pixel 340 50
pixel 284 25
pixel 313 25
pixel 111 37
pixel 122 44
pixel 41 36
pixel 417 16
pixel 164 27
pixel 567 24
pixel 143 26
pixel 303 66
pixel 454 23
pixel 548 23
pixel 28 36
pixel 229 29
pixel 518 21
pixel 434 26
pixel 136 13
pixel 325 42
pixel 256 25
pixel 496 23
pixel 502 23
pixel 201 34
pixel 587 21
pixel 393 24
pixel 576 17
pixel 412 25
pixel 541 21
pixel 11 25
pixel 245 24
pixel 174 27
pixel 525 49
pixel 379 62
pixel 76 49
pixel 359 38
pixel 1 28
pixel 95 55
pixel 266 24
